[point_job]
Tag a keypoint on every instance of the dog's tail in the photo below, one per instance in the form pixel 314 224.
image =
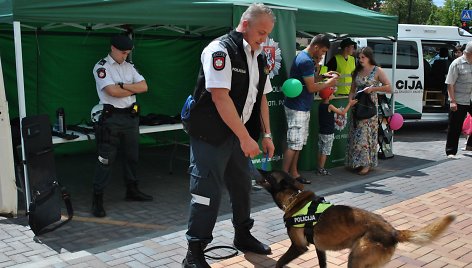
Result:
pixel 427 233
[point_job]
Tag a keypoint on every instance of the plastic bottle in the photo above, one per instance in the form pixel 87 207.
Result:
pixel 61 122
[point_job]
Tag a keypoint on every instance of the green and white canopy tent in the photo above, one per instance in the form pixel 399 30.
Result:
pixel 335 16
pixel 55 43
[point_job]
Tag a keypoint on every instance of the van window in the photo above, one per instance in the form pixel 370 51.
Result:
pixel 407 53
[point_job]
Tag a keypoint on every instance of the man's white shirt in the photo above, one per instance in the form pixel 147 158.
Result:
pixel 222 78
pixel 115 73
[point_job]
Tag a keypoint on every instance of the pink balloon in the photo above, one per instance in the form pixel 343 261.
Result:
pixel 396 121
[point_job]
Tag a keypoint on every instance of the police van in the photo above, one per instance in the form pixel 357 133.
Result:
pixel 418 86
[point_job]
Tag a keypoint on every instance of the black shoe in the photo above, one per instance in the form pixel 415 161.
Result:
pixel 134 194
pixel 244 241
pixel 303 180
pixel 97 206
pixel 195 257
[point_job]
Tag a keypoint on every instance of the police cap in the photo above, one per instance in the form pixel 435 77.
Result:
pixel 122 42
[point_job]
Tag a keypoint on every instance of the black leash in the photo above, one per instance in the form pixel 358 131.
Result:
pixel 233 254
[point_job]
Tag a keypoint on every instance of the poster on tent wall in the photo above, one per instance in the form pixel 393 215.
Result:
pixel 280 50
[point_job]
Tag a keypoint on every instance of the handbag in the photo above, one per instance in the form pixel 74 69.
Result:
pixel 467 125
pixel 44 211
pixel 365 107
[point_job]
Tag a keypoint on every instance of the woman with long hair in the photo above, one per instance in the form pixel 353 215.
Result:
pixel 362 147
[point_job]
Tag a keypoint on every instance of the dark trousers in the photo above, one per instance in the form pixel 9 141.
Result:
pixel 456 119
pixel 211 169
pixel 117 131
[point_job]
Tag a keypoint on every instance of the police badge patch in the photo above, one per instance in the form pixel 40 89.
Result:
pixel 101 73
pixel 273 56
pixel 219 60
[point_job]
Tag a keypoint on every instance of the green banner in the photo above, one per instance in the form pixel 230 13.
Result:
pixel 309 155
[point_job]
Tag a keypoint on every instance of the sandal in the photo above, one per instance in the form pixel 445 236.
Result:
pixel 303 180
pixel 364 171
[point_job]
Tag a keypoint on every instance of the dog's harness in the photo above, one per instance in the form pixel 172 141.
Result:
pixel 308 216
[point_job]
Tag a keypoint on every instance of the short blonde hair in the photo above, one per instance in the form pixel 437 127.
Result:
pixel 255 10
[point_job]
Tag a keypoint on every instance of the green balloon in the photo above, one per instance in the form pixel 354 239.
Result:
pixel 292 88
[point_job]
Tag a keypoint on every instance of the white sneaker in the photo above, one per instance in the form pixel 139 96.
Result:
pixel 255 186
pixel 323 172
pixel 467 148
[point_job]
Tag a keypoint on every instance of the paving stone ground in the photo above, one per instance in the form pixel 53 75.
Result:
pixel 410 189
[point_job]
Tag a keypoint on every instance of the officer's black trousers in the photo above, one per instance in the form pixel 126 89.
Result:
pixel 456 119
pixel 118 131
pixel 211 169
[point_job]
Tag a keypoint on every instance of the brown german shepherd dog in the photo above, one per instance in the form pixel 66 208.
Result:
pixel 371 239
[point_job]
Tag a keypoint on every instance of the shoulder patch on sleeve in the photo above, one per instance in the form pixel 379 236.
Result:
pixel 101 73
pixel 219 60
pixel 102 62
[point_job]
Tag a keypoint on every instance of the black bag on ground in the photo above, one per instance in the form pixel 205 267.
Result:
pixel 365 107
pixel 44 213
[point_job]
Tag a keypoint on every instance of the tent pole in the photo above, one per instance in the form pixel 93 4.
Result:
pixel 393 84
pixel 21 101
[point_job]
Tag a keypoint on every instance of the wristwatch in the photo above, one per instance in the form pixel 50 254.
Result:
pixel 121 85
pixel 267 135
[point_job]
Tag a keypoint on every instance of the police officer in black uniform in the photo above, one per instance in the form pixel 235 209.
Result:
pixel 230 114
pixel 117 82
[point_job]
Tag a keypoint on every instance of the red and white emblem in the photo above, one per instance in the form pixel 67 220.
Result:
pixel 274 57
pixel 101 73
pixel 219 60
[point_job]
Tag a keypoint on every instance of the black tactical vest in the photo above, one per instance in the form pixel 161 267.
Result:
pixel 205 121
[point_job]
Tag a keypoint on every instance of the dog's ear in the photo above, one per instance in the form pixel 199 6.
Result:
pixel 293 182
pixel 290 183
pixel 298 185
pixel 264 173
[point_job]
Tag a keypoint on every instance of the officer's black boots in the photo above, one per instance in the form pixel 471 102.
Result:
pixel 134 194
pixel 244 241
pixel 195 257
pixel 97 206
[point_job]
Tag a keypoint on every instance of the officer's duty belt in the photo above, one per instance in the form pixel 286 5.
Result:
pixel 112 109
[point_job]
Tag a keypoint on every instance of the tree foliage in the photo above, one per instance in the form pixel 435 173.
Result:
pixel 409 11
pixel 450 12
pixel 369 4
pixel 420 12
